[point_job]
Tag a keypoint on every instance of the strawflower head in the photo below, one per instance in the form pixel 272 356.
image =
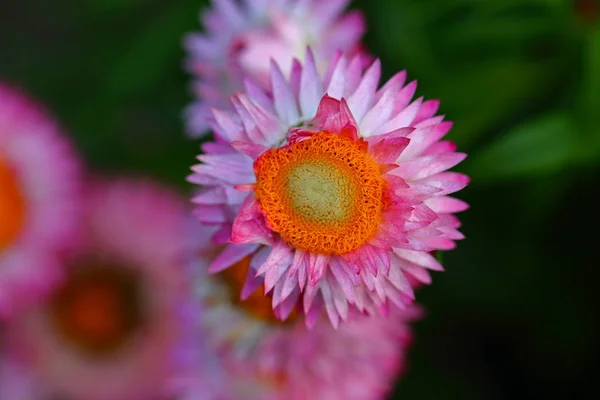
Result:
pixel 242 36
pixel 39 201
pixel 111 331
pixel 339 189
pixel 266 358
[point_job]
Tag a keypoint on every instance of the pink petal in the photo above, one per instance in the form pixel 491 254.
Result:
pixel 280 256
pixel 337 82
pixel 253 150
pixel 288 304
pixel 446 205
pixel 311 89
pixel 428 110
pixel 250 285
pixel 228 124
pixel 426 166
pixel 283 97
pixel 399 281
pixel 341 276
pixel 313 312
pixel 230 255
pixel 258 95
pixel 360 101
pixel 333 115
pixel 329 306
pixel 316 266
pixel 387 151
pixel 421 258
pixel 249 226
pixel 441 147
pixel 382 110
pixel 211 214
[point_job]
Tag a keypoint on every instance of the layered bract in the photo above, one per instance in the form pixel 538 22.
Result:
pixel 338 189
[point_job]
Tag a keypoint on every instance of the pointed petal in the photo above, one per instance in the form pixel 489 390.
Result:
pixel 230 255
pixel 317 265
pixel 311 89
pixel 283 97
pixel 360 101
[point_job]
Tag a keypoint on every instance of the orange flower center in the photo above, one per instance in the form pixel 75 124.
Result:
pixel 98 308
pixel 12 205
pixel 276 380
pixel 323 195
pixel 258 305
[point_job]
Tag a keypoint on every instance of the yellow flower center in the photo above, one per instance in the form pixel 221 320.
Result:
pixel 323 195
pixel 98 308
pixel 12 205
pixel 257 305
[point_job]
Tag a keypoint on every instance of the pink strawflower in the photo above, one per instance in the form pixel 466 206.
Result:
pixel 39 201
pixel 266 358
pixel 111 331
pixel 338 189
pixel 242 36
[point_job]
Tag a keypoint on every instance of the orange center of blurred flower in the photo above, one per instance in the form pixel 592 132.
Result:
pixel 258 304
pixel 275 379
pixel 98 308
pixel 323 195
pixel 12 205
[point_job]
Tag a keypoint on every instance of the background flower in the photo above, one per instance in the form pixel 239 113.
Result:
pixel 265 358
pixel 242 36
pixel 39 200
pixel 110 331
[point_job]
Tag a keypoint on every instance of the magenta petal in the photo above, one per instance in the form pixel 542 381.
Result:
pixel 428 110
pixel 444 146
pixel 249 226
pixel 387 151
pixel 333 115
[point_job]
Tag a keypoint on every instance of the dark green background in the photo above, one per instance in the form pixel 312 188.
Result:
pixel 515 314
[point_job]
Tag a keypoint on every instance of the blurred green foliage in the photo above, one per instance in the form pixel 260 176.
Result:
pixel 513 316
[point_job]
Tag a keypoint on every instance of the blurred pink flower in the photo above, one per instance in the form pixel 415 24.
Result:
pixel 112 330
pixel 338 188
pixel 242 36
pixel 39 201
pixel 265 358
